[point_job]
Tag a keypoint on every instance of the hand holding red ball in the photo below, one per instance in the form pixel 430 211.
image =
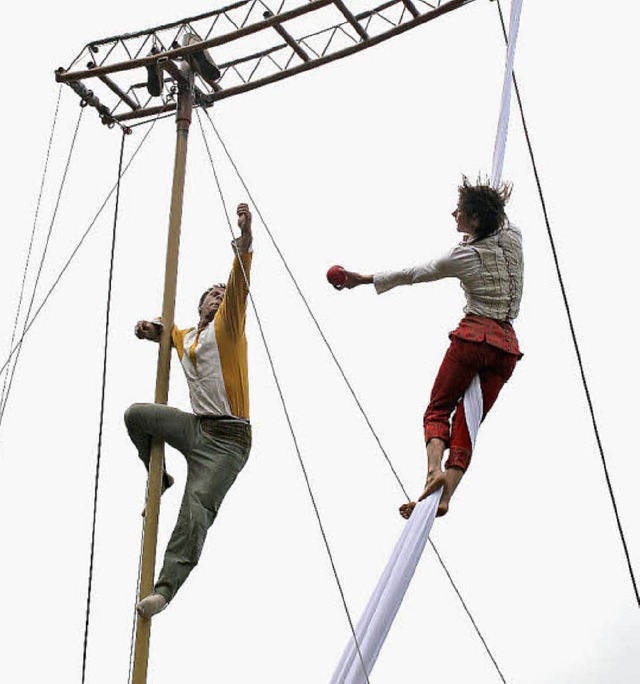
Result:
pixel 337 276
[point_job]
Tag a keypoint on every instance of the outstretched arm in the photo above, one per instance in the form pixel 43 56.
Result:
pixel 434 270
pixel 354 279
pixel 340 278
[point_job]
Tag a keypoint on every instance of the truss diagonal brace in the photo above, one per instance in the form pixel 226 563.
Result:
pixel 115 88
pixel 289 40
pixel 351 19
pixel 411 7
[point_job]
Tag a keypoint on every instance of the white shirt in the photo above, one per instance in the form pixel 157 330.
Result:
pixel 490 273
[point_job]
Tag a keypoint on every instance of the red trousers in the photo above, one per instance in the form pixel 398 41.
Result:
pixel 461 363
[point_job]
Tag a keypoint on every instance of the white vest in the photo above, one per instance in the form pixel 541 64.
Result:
pixel 495 290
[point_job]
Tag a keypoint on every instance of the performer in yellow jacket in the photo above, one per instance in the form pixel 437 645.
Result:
pixel 216 438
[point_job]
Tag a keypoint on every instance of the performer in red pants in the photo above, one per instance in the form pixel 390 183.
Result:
pixel 489 264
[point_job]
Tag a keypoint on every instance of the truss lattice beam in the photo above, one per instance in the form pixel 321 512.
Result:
pixel 318 32
pixel 65 77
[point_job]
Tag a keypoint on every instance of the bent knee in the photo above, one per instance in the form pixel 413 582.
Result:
pixel 134 413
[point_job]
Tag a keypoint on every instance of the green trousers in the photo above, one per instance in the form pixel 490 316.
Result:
pixel 216 451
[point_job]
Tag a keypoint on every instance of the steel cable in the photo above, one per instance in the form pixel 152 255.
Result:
pixel 369 424
pixel 30 247
pixel 41 266
pixel 574 336
pixel 286 411
pixel 74 252
pixel 102 405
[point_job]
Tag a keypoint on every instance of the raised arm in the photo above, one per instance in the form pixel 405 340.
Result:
pixel 243 243
pixel 231 315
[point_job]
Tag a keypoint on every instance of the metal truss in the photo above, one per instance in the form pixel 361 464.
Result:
pixel 253 44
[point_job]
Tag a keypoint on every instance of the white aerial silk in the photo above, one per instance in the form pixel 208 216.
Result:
pixel 375 623
pixel 505 104
pixel 383 605
pixel 473 408
pixel 473 396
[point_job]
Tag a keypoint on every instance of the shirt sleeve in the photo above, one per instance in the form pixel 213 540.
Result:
pixel 233 309
pixel 460 262
pixel 177 335
pixel 177 338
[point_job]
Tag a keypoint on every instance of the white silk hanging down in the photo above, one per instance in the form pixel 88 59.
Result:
pixel 505 105
pixel 473 408
pixel 473 396
pixel 375 623
pixel 373 626
pixel 378 616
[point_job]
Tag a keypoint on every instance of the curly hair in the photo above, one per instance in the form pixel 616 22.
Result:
pixel 486 203
pixel 217 286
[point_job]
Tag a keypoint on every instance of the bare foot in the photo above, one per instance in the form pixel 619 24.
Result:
pixel 435 480
pixel 451 481
pixel 447 491
pixel 443 507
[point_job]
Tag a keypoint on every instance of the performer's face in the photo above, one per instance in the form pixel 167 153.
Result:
pixel 211 304
pixel 464 224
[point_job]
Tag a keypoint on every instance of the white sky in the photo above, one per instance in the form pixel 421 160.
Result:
pixel 356 163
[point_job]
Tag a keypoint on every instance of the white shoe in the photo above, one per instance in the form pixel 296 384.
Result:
pixel 152 605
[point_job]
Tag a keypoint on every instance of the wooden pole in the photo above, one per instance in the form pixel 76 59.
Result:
pixel 147 567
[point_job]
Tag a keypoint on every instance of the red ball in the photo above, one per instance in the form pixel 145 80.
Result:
pixel 337 276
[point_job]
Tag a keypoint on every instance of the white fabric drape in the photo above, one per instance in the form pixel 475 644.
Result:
pixel 383 605
pixel 375 623
pixel 378 616
pixel 473 408
pixel 473 395
pixel 505 104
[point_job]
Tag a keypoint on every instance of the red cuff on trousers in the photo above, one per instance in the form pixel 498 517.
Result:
pixel 436 430
pixel 459 457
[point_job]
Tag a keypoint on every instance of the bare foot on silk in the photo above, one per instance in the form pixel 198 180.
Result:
pixel 152 605
pixel 435 480
pixel 451 481
pixel 443 505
